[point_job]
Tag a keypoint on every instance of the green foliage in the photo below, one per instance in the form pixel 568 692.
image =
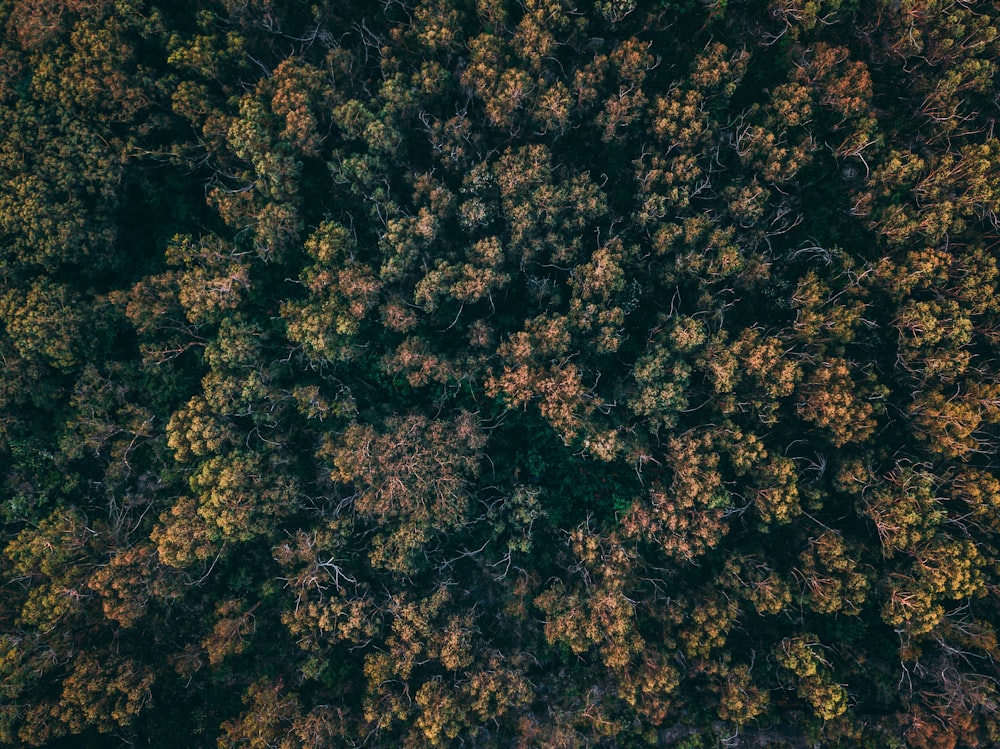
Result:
pixel 499 373
pixel 573 485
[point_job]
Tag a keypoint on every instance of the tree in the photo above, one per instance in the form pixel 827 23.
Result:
pixel 687 517
pixel 241 495
pixel 47 323
pixel 829 399
pixel 538 368
pixel 802 659
pixel 832 576
pixel 412 477
pixel 267 721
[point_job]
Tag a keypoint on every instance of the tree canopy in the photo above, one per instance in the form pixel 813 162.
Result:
pixel 492 373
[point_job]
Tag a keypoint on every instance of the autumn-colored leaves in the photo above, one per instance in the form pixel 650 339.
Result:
pixel 499 374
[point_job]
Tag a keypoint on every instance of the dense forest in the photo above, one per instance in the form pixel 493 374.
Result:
pixel 499 373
